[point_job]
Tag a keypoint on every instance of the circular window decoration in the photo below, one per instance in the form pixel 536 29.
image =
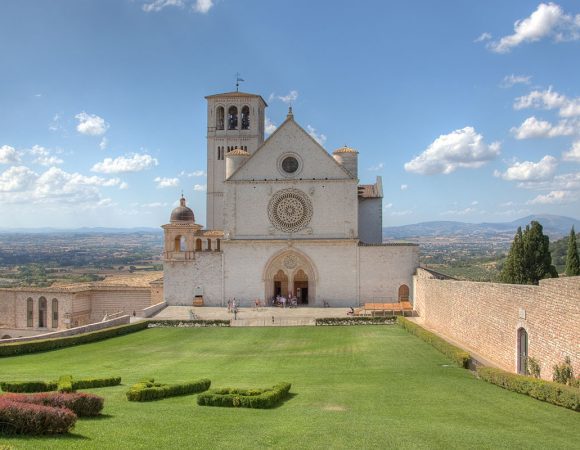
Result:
pixel 290 164
pixel 290 210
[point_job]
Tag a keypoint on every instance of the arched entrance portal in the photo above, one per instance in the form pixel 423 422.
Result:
pixel 289 274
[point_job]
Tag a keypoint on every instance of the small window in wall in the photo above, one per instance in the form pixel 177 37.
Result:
pixel 245 118
pixel 218 248
pixel 233 118
pixel 54 313
pixel 42 307
pixel 522 351
pixel 209 244
pixel 29 312
pixel 219 124
pixel 404 293
pixel 198 245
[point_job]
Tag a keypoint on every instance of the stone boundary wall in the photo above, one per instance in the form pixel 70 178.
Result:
pixel 151 310
pixel 123 320
pixel 485 318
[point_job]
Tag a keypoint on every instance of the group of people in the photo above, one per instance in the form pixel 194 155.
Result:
pixel 283 302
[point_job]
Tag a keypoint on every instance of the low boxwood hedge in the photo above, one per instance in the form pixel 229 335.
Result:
pixel 245 398
pixel 188 323
pixel 459 356
pixel 43 345
pixel 27 418
pixel 46 386
pixel 329 321
pixel 82 404
pixel 547 391
pixel 148 390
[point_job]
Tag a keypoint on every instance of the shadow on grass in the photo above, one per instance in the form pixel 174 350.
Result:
pixel 99 417
pixel 281 403
pixel 14 438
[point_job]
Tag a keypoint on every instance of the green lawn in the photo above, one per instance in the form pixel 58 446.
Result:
pixel 353 387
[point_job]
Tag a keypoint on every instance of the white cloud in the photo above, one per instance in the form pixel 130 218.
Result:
pixel 548 20
pixel 483 37
pixel 320 138
pixel 562 182
pixel 462 148
pixel 44 156
pixel 166 182
pixel 534 128
pixel 406 212
pixel 549 99
pixel 9 155
pixel 404 187
pixel 91 124
pixel 573 154
pixel 199 6
pixel 511 80
pixel 554 197
pixel 55 124
pixel 379 166
pixel 459 212
pixel 135 163
pixel 203 6
pixel 388 206
pixel 104 143
pixel 474 203
pixel 195 173
pixel 530 171
pixel 19 184
pixel 124 185
pixel 153 205
pixel 292 96
pixel 16 178
pixel 200 188
pixel 270 126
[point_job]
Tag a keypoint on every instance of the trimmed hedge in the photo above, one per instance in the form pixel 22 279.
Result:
pixel 198 323
pixel 64 384
pixel 245 398
pixel 27 418
pixel 43 345
pixel 46 386
pixel 83 405
pixel 459 356
pixel 329 321
pixel 547 391
pixel 148 390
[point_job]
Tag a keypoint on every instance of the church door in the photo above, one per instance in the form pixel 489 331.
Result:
pixel 301 287
pixel 522 351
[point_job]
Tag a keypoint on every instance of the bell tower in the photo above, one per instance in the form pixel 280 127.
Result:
pixel 235 120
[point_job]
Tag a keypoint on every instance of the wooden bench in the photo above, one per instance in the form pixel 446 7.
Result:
pixel 198 301
pixel 380 309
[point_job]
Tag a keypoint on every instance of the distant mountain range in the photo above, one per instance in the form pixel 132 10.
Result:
pixel 554 226
pixel 83 230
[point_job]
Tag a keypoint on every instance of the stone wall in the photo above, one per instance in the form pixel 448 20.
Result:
pixel 125 300
pixel 485 318
pixel 370 220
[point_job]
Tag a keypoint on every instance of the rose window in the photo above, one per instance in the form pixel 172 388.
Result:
pixel 290 210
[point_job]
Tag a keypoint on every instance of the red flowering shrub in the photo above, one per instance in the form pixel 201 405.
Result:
pixel 83 405
pixel 27 418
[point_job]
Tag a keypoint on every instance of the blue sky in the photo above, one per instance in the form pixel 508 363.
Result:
pixel 468 110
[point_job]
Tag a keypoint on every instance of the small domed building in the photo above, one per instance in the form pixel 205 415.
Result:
pixel 284 217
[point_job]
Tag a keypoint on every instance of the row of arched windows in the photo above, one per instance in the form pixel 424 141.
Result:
pixel 221 151
pixel 232 118
pixel 42 312
pixel 181 245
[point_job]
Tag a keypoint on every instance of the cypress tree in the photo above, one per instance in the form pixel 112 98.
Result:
pixel 512 271
pixel 572 260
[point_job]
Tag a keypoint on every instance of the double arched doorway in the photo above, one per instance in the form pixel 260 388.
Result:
pixel 291 274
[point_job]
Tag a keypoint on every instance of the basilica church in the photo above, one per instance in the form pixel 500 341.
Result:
pixel 284 217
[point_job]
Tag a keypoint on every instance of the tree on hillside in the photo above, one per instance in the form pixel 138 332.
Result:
pixel 572 260
pixel 529 259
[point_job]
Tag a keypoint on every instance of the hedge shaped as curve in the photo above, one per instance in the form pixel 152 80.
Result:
pixel 46 413
pixel 547 391
pixel 148 390
pixel 459 356
pixel 43 345
pixel 65 383
pixel 245 398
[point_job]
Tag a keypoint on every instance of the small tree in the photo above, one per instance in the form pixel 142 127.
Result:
pixel 572 260
pixel 563 373
pixel 512 271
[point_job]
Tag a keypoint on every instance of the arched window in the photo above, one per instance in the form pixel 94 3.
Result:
pixel 522 351
pixel 218 245
pixel 219 120
pixel 29 312
pixel 182 244
pixel 209 244
pixel 54 313
pixel 245 118
pixel 198 245
pixel 404 293
pixel 177 244
pixel 42 307
pixel 232 118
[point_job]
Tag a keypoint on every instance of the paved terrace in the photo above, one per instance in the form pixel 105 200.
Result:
pixel 247 316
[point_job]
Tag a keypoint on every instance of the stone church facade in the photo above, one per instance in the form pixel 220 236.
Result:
pixel 285 217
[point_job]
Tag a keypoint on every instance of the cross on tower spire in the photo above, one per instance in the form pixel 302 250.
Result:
pixel 238 79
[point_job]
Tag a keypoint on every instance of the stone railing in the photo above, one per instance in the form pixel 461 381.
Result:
pixel 151 310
